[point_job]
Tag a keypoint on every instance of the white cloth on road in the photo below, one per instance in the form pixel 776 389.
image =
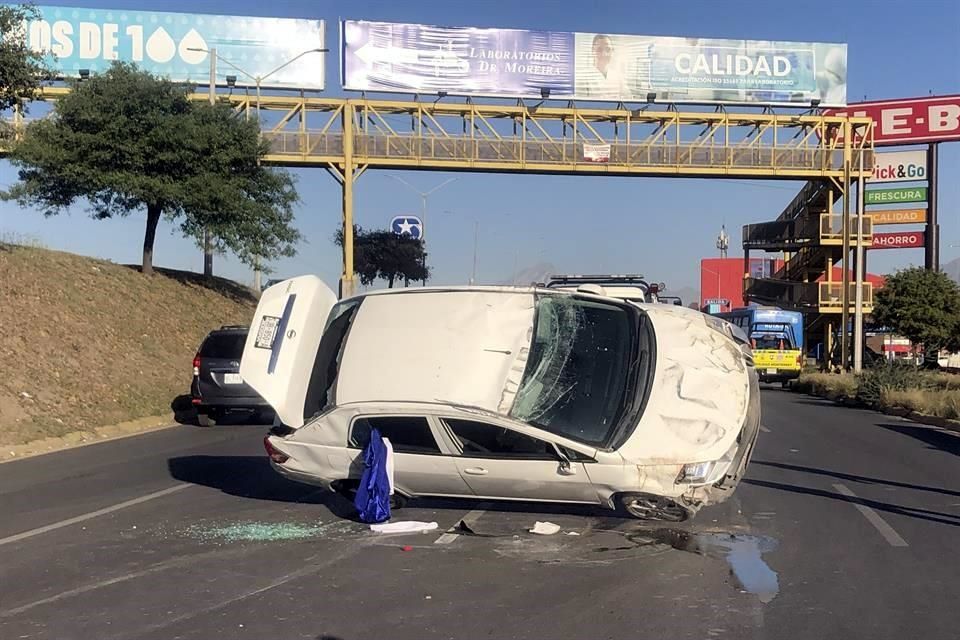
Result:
pixel 403 526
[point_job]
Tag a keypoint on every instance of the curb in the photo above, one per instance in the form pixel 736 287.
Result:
pixel 77 439
pixel 900 412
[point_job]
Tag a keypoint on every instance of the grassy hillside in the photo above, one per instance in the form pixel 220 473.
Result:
pixel 86 343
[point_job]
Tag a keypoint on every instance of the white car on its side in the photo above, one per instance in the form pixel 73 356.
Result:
pixel 507 393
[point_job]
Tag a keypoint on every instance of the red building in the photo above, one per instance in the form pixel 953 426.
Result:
pixel 721 279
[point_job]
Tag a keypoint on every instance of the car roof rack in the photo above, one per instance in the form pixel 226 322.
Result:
pixel 228 327
pixel 631 278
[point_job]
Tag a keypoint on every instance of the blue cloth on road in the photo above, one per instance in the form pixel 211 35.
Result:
pixel 373 495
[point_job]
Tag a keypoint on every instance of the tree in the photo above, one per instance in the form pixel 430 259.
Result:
pixel 21 69
pixel 125 141
pixel 921 305
pixel 386 255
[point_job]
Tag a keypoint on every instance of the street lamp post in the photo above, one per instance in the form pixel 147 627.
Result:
pixel 476 239
pixel 423 200
pixel 258 80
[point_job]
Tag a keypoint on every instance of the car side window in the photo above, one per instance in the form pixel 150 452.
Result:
pixel 482 440
pixel 407 434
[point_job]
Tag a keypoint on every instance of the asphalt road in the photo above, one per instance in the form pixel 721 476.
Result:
pixel 848 526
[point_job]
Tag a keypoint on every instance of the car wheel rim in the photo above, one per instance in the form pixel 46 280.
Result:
pixel 652 509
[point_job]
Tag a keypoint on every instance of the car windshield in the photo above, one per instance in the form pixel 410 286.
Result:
pixel 576 378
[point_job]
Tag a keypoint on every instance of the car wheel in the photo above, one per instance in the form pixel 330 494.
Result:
pixel 348 490
pixel 206 419
pixel 647 507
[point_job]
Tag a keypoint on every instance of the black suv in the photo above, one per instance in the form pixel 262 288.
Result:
pixel 217 386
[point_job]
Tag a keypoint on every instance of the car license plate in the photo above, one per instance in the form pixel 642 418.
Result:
pixel 232 378
pixel 771 372
pixel 267 332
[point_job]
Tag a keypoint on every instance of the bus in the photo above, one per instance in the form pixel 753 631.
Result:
pixel 777 340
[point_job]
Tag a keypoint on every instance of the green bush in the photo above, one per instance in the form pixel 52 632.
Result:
pixel 890 376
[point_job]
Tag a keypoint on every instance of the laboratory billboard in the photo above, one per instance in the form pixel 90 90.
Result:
pixel 177 45
pixel 515 63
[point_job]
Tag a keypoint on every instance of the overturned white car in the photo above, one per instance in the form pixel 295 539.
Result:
pixel 507 393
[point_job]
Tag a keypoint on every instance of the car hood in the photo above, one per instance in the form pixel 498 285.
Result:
pixel 699 396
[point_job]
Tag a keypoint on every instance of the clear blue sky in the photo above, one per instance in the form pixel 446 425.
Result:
pixel 660 227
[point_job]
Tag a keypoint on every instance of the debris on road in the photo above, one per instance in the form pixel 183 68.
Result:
pixel 403 526
pixel 256 531
pixel 545 528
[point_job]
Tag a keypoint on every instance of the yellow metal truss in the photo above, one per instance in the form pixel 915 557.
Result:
pixel 348 136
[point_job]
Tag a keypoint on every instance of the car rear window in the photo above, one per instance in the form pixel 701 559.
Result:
pixel 407 434
pixel 223 345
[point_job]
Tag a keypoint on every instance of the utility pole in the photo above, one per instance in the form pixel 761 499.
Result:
pixel 476 236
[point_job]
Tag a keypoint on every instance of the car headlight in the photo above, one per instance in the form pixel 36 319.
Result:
pixel 706 473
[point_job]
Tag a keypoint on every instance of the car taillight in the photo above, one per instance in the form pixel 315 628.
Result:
pixel 275 454
pixel 196 365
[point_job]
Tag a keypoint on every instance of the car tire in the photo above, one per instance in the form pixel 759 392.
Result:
pixel 206 419
pixel 647 507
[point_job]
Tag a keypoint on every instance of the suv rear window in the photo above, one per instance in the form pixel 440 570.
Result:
pixel 223 345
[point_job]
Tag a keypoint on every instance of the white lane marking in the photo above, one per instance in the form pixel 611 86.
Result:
pixel 891 536
pixel 764 429
pixel 93 514
pixel 449 536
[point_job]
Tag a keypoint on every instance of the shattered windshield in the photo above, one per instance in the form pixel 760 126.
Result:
pixel 576 378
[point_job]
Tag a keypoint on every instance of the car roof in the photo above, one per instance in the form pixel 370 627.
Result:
pixel 231 329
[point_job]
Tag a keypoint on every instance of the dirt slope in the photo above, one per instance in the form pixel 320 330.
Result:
pixel 86 343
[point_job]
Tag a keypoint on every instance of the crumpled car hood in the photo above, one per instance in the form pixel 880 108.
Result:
pixel 699 398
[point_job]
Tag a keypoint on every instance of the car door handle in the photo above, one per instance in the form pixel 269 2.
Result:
pixel 476 471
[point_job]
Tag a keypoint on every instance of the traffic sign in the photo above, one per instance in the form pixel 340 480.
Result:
pixel 723 302
pixel 407 226
pixel 899 240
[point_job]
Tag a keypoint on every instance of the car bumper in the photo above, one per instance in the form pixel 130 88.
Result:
pixel 230 402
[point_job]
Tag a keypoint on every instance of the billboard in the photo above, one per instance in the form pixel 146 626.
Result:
pixel 516 63
pixel 899 216
pixel 910 120
pixel 899 240
pixel 899 166
pixel 175 45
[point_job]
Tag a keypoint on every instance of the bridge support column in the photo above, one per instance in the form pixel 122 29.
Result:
pixel 347 278
pixel 845 262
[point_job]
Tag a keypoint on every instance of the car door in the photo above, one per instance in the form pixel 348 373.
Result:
pixel 420 467
pixel 502 463
pixel 281 346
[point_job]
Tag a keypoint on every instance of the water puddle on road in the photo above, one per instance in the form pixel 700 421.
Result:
pixel 743 553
